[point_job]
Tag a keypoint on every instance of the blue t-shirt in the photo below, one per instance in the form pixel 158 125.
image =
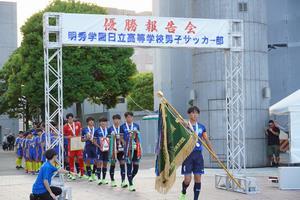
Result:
pixel 125 129
pixel 201 129
pixel 85 131
pixel 19 142
pixel 100 133
pixel 111 129
pixel 46 172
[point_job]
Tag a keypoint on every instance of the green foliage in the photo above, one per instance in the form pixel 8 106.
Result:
pixel 142 92
pixel 97 74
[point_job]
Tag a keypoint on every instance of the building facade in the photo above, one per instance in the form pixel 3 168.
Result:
pixel 199 75
pixel 8 43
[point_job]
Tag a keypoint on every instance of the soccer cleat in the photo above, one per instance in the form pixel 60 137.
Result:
pixel 94 177
pixel 85 177
pixel 99 182
pixel 124 184
pixel 113 184
pixel 73 178
pixel 131 188
pixel 69 176
pixel 90 179
pixel 104 182
pixel 182 196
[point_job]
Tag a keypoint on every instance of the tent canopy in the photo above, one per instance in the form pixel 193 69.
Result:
pixel 289 104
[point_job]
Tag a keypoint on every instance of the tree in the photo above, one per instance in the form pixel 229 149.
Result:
pixel 98 74
pixel 141 95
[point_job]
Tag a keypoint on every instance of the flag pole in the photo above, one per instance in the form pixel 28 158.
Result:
pixel 161 95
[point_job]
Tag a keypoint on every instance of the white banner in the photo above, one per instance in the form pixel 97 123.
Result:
pixel 117 30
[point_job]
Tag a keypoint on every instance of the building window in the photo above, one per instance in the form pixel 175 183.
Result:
pixel 243 7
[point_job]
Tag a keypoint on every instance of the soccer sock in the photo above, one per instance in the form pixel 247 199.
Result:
pixel 33 166
pixel 184 187
pixel 99 172
pixel 135 170
pixel 78 168
pixel 129 173
pixel 94 169
pixel 122 167
pixel 67 166
pixel 112 172
pixel 30 166
pixel 26 165
pixel 197 188
pixel 104 170
pixel 88 170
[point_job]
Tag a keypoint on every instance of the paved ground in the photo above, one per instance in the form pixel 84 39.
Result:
pixel 15 185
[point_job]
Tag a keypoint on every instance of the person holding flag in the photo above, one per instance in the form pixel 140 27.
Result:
pixel 194 162
pixel 72 130
pixel 116 151
pixel 133 150
pixel 88 136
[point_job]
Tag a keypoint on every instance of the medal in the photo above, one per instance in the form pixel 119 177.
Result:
pixel 73 129
pixel 91 131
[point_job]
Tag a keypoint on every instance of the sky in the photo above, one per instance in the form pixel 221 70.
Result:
pixel 26 8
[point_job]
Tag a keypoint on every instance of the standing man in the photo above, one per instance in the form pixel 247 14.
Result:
pixel 102 150
pixel 117 144
pixel 132 139
pixel 71 130
pixel 272 133
pixel 19 151
pixel 194 162
pixel 88 136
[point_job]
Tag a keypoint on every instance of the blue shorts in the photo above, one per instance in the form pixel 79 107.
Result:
pixel 193 164
pixel 19 153
pixel 91 152
pixel 102 156
pixel 32 154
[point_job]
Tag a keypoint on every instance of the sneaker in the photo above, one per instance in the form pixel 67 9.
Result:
pixel 124 184
pixel 69 176
pixel 113 184
pixel 73 178
pixel 94 177
pixel 99 182
pixel 85 177
pixel 104 182
pixel 182 196
pixel 131 188
pixel 90 179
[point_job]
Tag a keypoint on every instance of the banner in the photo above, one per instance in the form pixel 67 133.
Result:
pixel 144 31
pixel 175 143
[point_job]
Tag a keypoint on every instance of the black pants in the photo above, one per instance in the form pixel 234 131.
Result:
pixel 46 196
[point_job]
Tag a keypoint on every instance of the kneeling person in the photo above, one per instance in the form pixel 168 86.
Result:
pixel 41 188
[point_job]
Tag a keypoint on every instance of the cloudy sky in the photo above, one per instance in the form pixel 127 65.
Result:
pixel 28 7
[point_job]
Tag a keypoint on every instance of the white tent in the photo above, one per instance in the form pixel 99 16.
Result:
pixel 290 106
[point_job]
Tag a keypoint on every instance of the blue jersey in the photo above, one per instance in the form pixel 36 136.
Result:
pixel 31 144
pixel 200 129
pixel 46 172
pixel 125 128
pixel 100 133
pixel 19 142
pixel 92 132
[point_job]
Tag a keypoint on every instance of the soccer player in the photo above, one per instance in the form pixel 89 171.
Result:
pixel 194 162
pixel 73 129
pixel 38 145
pixel 19 150
pixel 117 144
pixel 88 136
pixel 132 139
pixel 102 150
pixel 31 151
pixel 42 188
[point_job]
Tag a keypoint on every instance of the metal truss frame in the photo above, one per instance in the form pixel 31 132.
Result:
pixel 53 82
pixel 234 85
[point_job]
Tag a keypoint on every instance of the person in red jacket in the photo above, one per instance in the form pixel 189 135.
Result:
pixel 73 129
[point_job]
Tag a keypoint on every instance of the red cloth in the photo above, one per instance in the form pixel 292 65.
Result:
pixel 69 132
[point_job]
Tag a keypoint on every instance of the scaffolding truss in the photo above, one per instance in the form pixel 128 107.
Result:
pixel 234 85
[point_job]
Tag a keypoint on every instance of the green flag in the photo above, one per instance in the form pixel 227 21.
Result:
pixel 174 145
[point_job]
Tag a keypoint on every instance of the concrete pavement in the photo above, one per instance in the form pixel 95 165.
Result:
pixel 15 185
